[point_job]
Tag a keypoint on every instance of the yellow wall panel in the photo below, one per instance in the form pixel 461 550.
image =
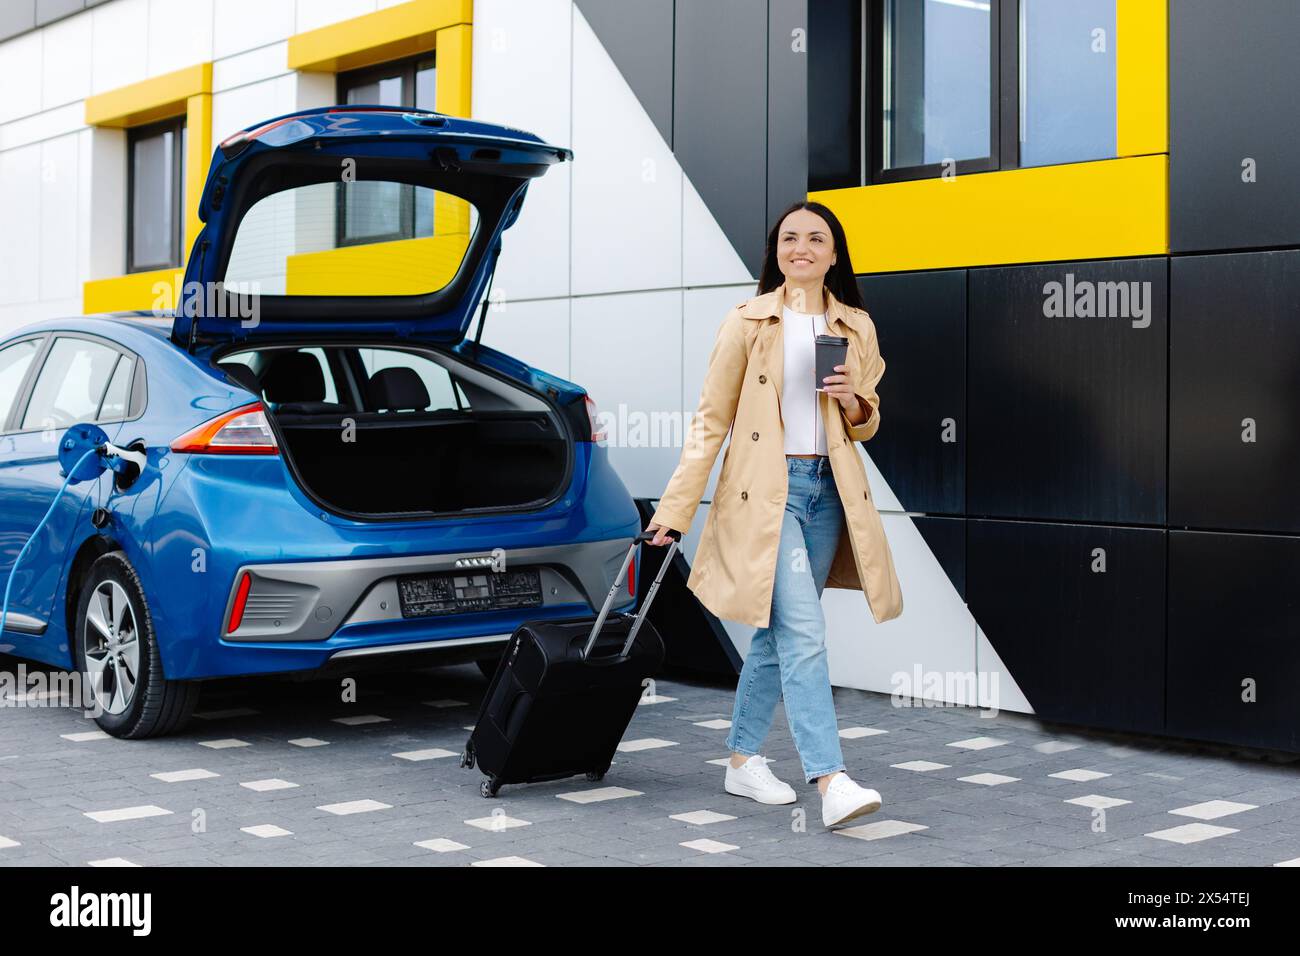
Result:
pixel 1142 77
pixel 1104 209
pixel 138 290
pixel 389 34
pixel 404 267
pixel 452 89
pixel 149 100
pixel 198 157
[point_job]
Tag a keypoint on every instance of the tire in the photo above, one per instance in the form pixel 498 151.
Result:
pixel 133 697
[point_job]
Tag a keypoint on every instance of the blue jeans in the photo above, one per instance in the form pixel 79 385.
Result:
pixel 788 658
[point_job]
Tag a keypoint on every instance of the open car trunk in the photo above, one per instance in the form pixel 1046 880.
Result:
pixel 387 432
pixel 449 462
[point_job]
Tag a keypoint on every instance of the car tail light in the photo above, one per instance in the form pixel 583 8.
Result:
pixel 242 431
pixel 596 433
pixel 241 599
pixel 631 577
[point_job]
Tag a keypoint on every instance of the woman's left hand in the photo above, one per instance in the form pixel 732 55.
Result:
pixel 839 388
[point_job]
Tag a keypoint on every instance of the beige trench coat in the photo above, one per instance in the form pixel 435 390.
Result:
pixel 735 564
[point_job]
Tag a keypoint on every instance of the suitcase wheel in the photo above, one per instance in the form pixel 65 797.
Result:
pixel 595 775
pixel 467 756
pixel 489 788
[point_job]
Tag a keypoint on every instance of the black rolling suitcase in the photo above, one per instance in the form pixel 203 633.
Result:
pixel 565 691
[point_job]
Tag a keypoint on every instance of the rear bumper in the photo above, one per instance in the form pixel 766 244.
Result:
pixel 350 608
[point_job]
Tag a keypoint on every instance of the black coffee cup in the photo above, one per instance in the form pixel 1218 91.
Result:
pixel 832 350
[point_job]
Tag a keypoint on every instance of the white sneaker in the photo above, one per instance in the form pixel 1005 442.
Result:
pixel 752 779
pixel 844 800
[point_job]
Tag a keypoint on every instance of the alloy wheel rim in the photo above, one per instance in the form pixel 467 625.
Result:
pixel 111 647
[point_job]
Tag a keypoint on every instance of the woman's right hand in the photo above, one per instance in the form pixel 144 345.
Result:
pixel 661 537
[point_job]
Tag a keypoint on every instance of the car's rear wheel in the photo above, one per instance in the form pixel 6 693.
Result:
pixel 117 654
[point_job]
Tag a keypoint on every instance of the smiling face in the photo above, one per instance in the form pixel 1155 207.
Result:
pixel 804 247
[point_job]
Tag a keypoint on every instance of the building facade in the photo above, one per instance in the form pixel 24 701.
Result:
pixel 1072 221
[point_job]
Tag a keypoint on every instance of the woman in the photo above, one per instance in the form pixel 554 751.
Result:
pixel 792 510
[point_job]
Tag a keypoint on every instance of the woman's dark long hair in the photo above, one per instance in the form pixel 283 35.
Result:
pixel 840 279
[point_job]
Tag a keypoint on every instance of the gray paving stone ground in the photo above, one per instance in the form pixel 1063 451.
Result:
pixel 49 785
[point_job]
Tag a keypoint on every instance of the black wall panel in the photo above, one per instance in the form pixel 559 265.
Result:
pixel 1234 354
pixel 920 320
pixel 1067 412
pixel 639 39
pixel 1234 631
pixel 834 94
pixel 1085 647
pixel 1234 73
pixel 946 539
pixel 787 110
pixel 720 113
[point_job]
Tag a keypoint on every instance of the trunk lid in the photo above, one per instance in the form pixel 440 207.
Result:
pixel 354 219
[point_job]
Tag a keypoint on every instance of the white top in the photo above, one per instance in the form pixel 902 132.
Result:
pixel 805 432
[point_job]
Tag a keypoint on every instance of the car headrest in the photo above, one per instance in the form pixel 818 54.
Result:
pixel 294 377
pixel 398 390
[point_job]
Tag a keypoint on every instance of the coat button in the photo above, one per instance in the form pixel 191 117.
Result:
pixel 754 436
pixel 744 496
pixel 762 380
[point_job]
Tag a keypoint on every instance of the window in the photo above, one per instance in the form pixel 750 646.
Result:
pixel 259 364
pixel 443 391
pixel 155 196
pixel 378 212
pixel 1067 81
pixel 963 86
pixel 15 360
pixel 79 382
pixel 288 243
pixel 935 88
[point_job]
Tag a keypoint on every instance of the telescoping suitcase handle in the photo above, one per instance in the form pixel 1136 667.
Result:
pixel 649 596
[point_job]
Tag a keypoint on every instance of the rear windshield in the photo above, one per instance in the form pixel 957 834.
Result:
pixel 351 238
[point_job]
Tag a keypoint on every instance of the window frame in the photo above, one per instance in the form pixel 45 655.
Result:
pixel 1004 99
pixel 8 424
pixel 344 83
pixel 177 125
pixel 137 393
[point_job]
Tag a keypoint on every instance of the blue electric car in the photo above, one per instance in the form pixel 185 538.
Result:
pixel 336 473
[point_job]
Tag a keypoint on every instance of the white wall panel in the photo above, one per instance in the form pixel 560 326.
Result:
pixel 180 34
pixel 1002 691
pixel 240 25
pixel 41 126
pixel 253 66
pixel 20 203
pixel 319 13
pixel 65 75
pixel 119 44
pixel 106 171
pixel 533 331
pixel 708 257
pixel 521 62
pixel 935 632
pixel 232 110
pixel 627 354
pixel 85 158
pixel 314 89
pixel 59 222
pixel 627 186
pixel 20 67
